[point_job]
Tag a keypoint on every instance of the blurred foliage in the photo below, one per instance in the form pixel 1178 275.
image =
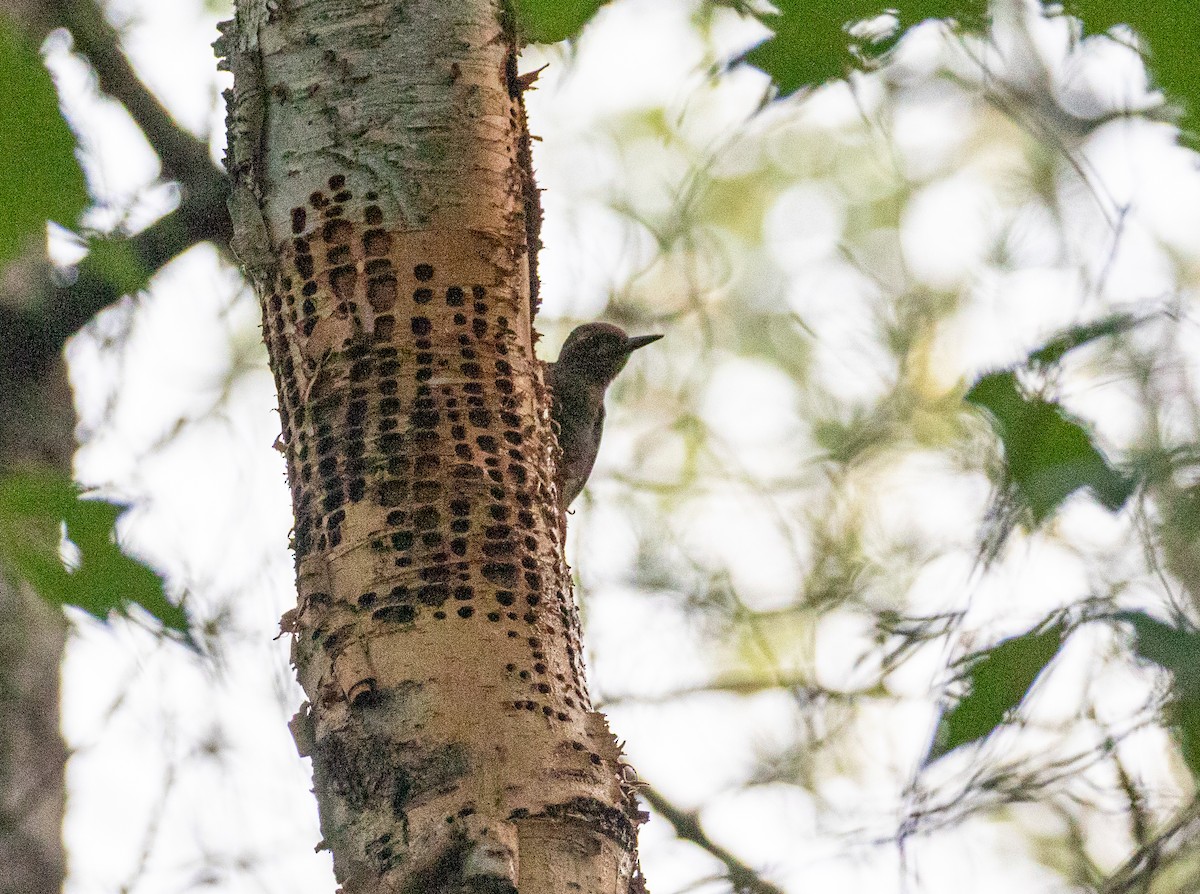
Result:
pixel 549 21
pixel 113 261
pixel 860 504
pixel 1175 649
pixel 1048 455
pixel 1054 350
pixel 997 680
pixel 40 179
pixel 93 574
pixel 1167 33
pixel 813 43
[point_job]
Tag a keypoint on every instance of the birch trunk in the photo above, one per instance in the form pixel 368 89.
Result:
pixel 384 207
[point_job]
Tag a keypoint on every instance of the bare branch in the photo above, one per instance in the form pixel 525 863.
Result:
pixel 687 826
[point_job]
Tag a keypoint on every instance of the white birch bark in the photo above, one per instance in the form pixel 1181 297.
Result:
pixel 385 209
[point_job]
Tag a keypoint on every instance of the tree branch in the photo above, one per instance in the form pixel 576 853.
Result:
pixel 184 157
pixel 1167 844
pixel 37 312
pixel 687 826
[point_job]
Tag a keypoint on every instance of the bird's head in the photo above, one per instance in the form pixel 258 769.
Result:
pixel 600 350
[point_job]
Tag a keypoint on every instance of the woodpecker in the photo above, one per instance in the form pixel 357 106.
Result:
pixel 590 359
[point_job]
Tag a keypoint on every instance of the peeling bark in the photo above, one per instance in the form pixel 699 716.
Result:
pixel 384 207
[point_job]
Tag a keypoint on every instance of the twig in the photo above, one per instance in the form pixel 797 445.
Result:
pixel 1180 832
pixel 744 879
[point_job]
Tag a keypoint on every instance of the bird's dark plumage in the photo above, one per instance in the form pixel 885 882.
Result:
pixel 590 359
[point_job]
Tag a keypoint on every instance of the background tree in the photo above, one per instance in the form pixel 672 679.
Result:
pixel 39 311
pixel 837 274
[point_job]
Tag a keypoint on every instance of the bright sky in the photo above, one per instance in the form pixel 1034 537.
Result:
pixel 184 775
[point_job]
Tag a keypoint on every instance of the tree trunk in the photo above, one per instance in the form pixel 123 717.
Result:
pixel 32 754
pixel 384 208
pixel 38 313
pixel 36 422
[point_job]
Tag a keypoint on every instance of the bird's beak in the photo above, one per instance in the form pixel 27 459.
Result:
pixel 640 341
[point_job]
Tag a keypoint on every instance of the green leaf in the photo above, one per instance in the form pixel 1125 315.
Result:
pixel 549 21
pixel 1049 455
pixel 812 41
pixel 1170 32
pixel 810 44
pixel 115 263
pixel 40 178
pixel 1054 350
pixel 998 679
pixel 1177 650
pixel 34 509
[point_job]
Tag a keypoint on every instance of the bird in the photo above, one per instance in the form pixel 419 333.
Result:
pixel 590 359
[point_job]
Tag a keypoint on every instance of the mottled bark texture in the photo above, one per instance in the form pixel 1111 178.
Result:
pixel 36 421
pixel 384 207
pixel 32 754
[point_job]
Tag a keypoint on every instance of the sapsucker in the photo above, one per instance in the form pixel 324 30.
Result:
pixel 590 359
